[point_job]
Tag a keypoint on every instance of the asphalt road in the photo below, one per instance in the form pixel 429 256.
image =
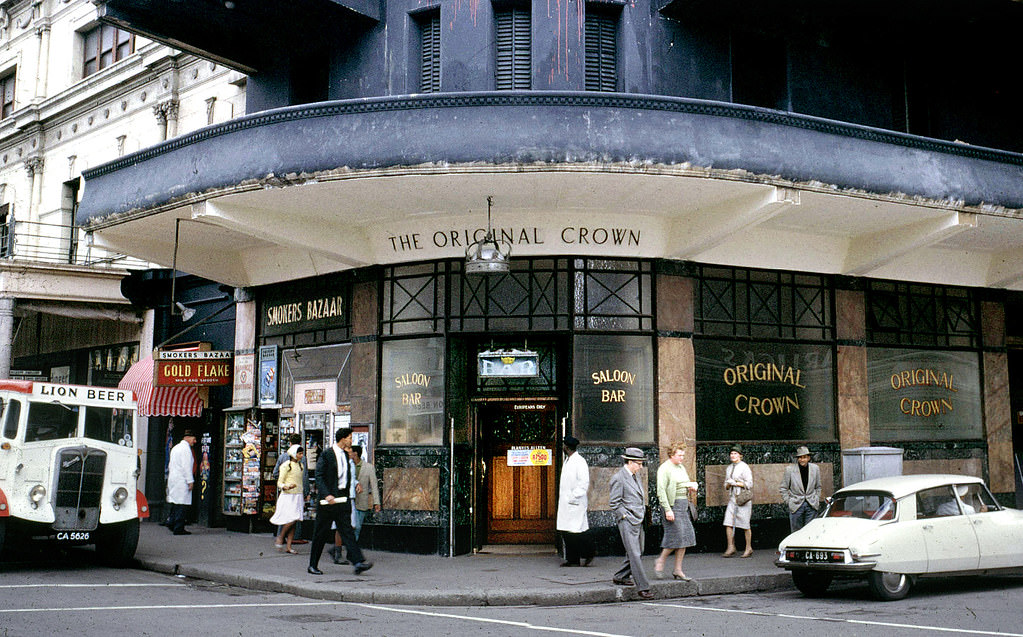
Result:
pixel 77 597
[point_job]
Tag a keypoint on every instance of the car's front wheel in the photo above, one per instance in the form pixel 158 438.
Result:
pixel 889 587
pixel 812 583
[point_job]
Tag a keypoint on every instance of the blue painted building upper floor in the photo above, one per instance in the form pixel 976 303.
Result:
pixel 935 69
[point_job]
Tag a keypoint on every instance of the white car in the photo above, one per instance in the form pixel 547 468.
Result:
pixel 893 530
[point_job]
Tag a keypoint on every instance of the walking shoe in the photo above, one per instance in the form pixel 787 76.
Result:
pixel 312 570
pixel 645 594
pixel 587 561
pixel 362 567
pixel 624 581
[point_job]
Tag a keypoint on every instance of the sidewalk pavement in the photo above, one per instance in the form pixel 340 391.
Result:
pixel 505 577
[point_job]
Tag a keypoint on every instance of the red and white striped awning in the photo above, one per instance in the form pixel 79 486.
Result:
pixel 159 401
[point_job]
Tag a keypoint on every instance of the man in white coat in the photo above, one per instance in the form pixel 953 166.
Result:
pixel 179 482
pixel 801 489
pixel 573 505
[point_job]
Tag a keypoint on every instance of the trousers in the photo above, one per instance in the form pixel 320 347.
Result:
pixel 340 513
pixel 632 538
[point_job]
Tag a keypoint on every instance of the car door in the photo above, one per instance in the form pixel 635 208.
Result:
pixel 999 531
pixel 948 534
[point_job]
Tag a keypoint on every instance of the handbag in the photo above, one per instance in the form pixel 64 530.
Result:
pixel 744 496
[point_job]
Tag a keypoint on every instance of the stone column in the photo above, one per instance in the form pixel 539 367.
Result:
pixel 44 61
pixel 166 119
pixel 364 362
pixel 997 405
pixel 6 335
pixel 676 363
pixel 34 167
pixel 853 400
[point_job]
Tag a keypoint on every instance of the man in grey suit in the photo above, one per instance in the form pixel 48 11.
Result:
pixel 801 489
pixel 628 502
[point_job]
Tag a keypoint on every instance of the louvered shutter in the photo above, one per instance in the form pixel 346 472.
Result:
pixel 601 52
pixel 429 79
pixel 514 69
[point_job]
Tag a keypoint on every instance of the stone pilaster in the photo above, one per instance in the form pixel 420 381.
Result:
pixel 997 405
pixel 676 365
pixel 851 365
pixel 364 360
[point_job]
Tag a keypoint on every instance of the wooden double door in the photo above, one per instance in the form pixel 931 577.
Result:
pixel 518 489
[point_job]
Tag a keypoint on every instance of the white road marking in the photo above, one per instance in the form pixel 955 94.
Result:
pixel 838 620
pixel 87 585
pixel 483 620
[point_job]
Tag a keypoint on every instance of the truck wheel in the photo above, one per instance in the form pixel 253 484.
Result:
pixel 812 583
pixel 116 543
pixel 889 587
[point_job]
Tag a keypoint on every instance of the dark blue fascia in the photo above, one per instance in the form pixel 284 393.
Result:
pixel 539 127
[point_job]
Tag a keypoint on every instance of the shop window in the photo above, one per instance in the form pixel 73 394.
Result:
pixel 513 66
pixel 921 315
pixel 613 295
pixel 7 93
pixel 327 365
pixel 748 390
pixel 613 397
pixel 412 392
pixel 744 303
pixel 429 51
pixel 924 395
pixel 601 33
pixel 103 46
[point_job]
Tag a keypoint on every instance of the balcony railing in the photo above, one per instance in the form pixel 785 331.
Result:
pixel 58 243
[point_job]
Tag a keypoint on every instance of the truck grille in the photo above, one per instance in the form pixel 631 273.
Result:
pixel 79 488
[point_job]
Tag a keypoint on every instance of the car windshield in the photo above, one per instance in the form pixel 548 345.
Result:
pixel 863 505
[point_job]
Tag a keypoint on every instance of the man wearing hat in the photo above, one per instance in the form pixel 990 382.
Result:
pixel 180 478
pixel 572 506
pixel 801 489
pixel 628 503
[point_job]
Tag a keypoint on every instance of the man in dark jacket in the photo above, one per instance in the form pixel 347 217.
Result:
pixel 335 484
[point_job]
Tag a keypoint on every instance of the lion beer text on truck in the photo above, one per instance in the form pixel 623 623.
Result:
pixel 69 466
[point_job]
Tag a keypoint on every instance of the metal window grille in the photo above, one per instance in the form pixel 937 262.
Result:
pixel 533 296
pixel 921 315
pixel 429 53
pixel 514 65
pixel 613 295
pixel 734 302
pixel 601 33
pixel 413 299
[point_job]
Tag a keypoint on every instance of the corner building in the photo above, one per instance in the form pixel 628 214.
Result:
pixel 763 225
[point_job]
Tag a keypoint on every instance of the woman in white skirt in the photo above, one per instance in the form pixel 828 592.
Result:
pixel 289 502
pixel 738 476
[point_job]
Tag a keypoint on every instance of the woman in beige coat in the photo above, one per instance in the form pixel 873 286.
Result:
pixel 289 501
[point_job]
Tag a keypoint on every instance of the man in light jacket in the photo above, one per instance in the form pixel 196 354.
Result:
pixel 627 499
pixel 180 478
pixel 801 489
pixel 573 505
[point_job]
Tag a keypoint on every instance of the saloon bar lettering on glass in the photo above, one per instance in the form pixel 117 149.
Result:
pixel 924 378
pixel 765 372
pixel 408 383
pixel 569 235
pixel 613 376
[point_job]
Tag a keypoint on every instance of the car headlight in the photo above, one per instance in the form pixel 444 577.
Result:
pixel 37 494
pixel 120 495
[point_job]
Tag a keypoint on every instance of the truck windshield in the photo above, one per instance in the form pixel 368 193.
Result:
pixel 51 421
pixel 109 425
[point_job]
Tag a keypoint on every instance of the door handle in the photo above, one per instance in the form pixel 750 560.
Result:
pixel 928 527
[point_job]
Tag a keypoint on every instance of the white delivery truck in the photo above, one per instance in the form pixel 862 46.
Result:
pixel 68 467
